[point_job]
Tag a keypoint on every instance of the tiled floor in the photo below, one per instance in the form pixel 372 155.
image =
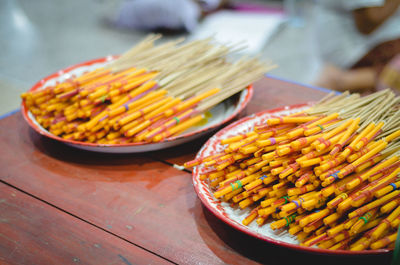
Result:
pixel 40 37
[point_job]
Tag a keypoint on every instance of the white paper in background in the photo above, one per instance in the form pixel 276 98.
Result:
pixel 233 27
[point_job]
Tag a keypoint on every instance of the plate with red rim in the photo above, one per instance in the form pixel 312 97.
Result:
pixel 218 115
pixel 234 216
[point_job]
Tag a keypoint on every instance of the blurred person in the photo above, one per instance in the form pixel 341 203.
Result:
pixel 358 41
pixel 173 15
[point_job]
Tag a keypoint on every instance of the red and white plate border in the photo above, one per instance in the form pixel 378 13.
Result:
pixel 232 216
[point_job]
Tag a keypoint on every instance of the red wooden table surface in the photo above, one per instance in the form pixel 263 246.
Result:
pixel 60 205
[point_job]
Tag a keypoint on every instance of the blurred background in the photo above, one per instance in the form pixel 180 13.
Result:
pixel 39 37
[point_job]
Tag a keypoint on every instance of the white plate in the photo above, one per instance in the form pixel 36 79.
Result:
pixel 220 114
pixel 234 216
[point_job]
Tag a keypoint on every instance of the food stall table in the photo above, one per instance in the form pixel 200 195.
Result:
pixel 62 205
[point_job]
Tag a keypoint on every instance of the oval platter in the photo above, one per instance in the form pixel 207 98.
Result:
pixel 218 115
pixel 234 216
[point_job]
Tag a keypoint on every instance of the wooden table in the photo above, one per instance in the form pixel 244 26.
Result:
pixel 60 205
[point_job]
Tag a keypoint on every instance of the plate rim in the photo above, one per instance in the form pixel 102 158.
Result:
pixel 89 146
pixel 245 229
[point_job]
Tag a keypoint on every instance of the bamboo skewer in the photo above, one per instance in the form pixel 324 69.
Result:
pixel 126 99
pixel 331 177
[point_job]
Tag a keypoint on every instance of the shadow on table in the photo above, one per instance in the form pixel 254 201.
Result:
pixel 61 151
pixel 75 163
pixel 266 253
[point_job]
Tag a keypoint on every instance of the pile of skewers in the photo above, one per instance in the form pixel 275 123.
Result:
pixel 329 174
pixel 150 93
